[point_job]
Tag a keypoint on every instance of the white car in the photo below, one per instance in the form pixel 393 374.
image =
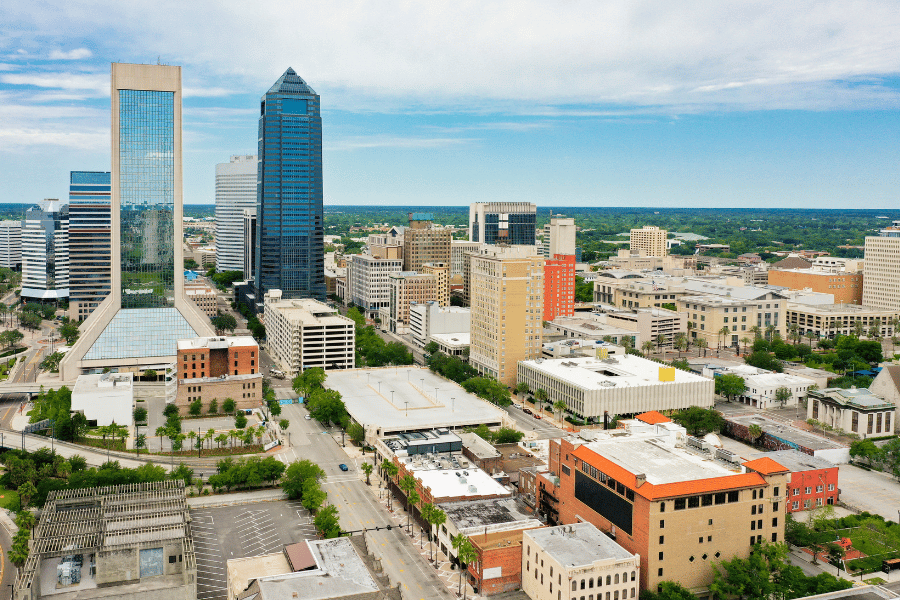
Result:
pixel 308 418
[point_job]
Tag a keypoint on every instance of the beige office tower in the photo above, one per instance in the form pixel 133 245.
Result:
pixel 650 240
pixel 881 270
pixel 441 272
pixel 423 243
pixel 138 325
pixel 507 305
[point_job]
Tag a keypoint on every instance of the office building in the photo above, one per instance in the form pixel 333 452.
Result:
pixel 120 541
pixel 845 286
pixel 812 482
pixel 217 368
pixel 249 224
pixel 203 295
pixel 855 411
pixel 592 387
pixel 650 240
pixel 577 560
pixel 882 269
pixel 384 245
pixel 559 236
pixel 409 288
pixel 651 323
pixel 507 308
pixel 290 245
pixel 45 252
pixel 458 251
pixel 594 327
pixel 830 320
pixel 724 320
pixel 304 334
pixel 762 386
pixel 105 398
pixel 11 244
pixel 368 282
pixel 424 243
pixel 559 286
pixel 429 319
pixel 139 323
pixel 503 223
pixel 90 239
pixel 679 503
pixel 235 193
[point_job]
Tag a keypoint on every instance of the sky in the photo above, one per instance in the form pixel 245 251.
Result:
pixel 565 103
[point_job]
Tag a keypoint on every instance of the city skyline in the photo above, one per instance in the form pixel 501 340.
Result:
pixel 615 105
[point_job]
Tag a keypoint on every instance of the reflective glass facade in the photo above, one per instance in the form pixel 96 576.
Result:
pixel 137 333
pixel 290 231
pixel 90 255
pixel 147 197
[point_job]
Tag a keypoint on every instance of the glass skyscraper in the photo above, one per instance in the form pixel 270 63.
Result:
pixel 90 252
pixel 290 231
pixel 146 312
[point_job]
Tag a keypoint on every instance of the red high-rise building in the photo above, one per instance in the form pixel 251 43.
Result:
pixel 559 286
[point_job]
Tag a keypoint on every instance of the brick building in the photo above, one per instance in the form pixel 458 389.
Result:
pixel 813 481
pixel 217 368
pixel 674 500
pixel 559 286
pixel 847 287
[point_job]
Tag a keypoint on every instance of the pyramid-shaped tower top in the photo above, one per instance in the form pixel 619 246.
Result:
pixel 291 83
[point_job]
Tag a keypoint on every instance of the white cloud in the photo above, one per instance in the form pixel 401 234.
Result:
pixel 63 81
pixel 76 54
pixel 664 57
pixel 365 143
pixel 18 139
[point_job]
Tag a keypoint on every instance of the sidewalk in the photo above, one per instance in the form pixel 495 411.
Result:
pixel 237 498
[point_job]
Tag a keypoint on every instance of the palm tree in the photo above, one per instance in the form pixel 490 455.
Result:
pixel 660 340
pixel 746 341
pixel 411 501
pixel 233 434
pixel 722 333
pixel 367 468
pixel 210 434
pixel 628 343
pixel 794 333
pixel 690 328
pixel 757 332
pixel 466 554
pixel 681 342
pixel 755 432
pixel 858 329
pixel 192 435
pixel 160 432
pixel 647 347
pixel 408 485
pixel 438 518
pixel 139 442
pixel 541 397
pixel 222 438
pixel 701 342
pixel 559 407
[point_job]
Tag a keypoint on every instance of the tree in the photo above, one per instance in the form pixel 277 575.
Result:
pixel 755 432
pixel 170 410
pixel 161 433
pixel 660 340
pixel 438 518
pixel 25 519
pixel 730 385
pixel 196 407
pixel 140 441
pixel 865 449
pixel 407 483
pixel 389 469
pixel 507 435
pixel 283 424
pixel 540 395
pixel 668 590
pixel 326 406
pixel 411 501
pixel 782 395
pixel 26 493
pixel 183 472
pixel 224 322
pixel 308 381
pixel 313 496
pixel 701 343
pixel 699 421
pixel 559 407
pixel 222 439
pixel 764 360
pixel 431 347
pixel 367 468
pixel 69 331
pixel 723 333
pixel 240 420
pixel 296 474
pixel 228 406
pixel 521 388
pixel 213 407
pixel 746 342
pixel 357 433
pixel 465 553
pixel 326 522
pixel 140 414
pixel 647 347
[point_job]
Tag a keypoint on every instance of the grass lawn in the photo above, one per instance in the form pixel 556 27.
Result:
pixel 870 542
pixel 10 499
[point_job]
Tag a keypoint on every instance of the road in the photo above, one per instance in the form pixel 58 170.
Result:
pixel 358 507
pixel 7 570
pixel 541 428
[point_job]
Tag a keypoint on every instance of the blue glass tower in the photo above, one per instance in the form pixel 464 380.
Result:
pixel 90 250
pixel 290 232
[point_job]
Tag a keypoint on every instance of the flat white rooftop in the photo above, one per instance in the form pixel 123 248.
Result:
pixel 615 372
pixel 394 399
pixel 216 342
pixel 453 483
pixel 452 339
pixel 578 545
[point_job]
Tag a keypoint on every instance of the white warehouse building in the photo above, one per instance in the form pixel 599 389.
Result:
pixel 619 385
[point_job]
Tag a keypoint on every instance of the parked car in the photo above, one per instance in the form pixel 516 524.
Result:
pixel 536 416
pixel 527 411
pixel 343 467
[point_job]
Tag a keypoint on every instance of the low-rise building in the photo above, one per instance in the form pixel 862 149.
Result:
pixel 846 286
pixel 887 385
pixel 831 320
pixel 430 318
pixel 713 315
pixel 216 368
pixel 577 560
pixel 856 411
pixel 204 296
pixel 305 334
pixel 620 385
pixel 105 398
pixel 122 541
pixel 650 323
pixel 813 481
pixel 593 327
pixel 762 386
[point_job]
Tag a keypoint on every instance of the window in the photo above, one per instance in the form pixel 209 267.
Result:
pixel 752 525
pixel 733 496
pixel 759 524
pixel 775 507
pixel 795 505
pixel 774 521
pixel 660 558
pixel 818 489
pixel 796 491
pixel 809 490
pixel 806 504
pixel 830 487
pixel 709 538
pixel 662 507
pixel 659 572
pixel 753 510
pixel 662 539
pixel 680 503
pixel 774 537
pixel 662 524
pixel 700 540
pixel 777 489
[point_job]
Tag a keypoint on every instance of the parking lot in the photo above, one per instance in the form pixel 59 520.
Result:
pixel 221 534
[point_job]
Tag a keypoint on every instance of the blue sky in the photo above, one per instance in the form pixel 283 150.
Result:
pixel 572 103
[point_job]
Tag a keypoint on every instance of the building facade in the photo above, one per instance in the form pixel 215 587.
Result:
pixel 571 561
pixel 369 283
pixel 831 320
pixel 559 286
pixel 458 251
pixel 856 411
pixel 289 211
pixel 11 244
pixel 882 269
pixel 45 252
pixel 503 222
pixel 249 257
pixel 90 242
pixel 812 482
pixel 846 287
pixel 408 288
pixel 139 323
pixel 216 368
pixel 507 289
pixel 430 318
pixel 713 315
pixel 649 239
pixel 424 243
pixel 559 236
pixel 235 193
pixel 651 323
pixel 305 334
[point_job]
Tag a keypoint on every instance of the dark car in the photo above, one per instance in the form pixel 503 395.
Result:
pixel 343 467
pixel 527 411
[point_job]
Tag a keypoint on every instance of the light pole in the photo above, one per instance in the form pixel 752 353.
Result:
pixel 406 402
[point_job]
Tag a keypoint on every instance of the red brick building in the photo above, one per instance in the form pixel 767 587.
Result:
pixel 217 368
pixel 559 286
pixel 813 481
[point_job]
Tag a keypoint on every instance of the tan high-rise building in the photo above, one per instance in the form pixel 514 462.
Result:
pixel 507 304
pixel 441 272
pixel 881 271
pixel 422 243
pixel 650 239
